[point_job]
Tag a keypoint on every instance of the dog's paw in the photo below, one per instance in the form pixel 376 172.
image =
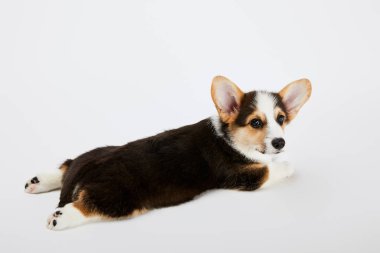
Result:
pixel 66 217
pixel 287 168
pixel 33 185
pixel 57 220
pixel 283 169
pixel 44 182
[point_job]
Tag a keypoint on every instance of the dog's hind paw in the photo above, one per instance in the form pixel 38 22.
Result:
pixel 32 185
pixel 44 182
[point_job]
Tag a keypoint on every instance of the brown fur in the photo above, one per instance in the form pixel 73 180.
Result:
pixel 248 135
pixel 279 111
pixel 80 203
pixel 63 168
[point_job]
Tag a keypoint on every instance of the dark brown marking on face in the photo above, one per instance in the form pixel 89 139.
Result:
pixel 278 103
pixel 246 108
pixel 277 112
pixel 257 115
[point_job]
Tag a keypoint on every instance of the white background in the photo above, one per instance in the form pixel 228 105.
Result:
pixel 75 75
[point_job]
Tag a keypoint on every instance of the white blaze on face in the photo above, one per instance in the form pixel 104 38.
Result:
pixel 265 103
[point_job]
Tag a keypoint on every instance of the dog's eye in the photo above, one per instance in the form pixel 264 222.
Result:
pixel 256 123
pixel 280 119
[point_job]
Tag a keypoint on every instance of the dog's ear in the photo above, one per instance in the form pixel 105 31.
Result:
pixel 294 96
pixel 227 98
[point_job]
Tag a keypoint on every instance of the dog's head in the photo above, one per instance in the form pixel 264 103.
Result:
pixel 253 123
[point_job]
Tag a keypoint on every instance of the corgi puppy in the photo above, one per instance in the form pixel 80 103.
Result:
pixel 237 149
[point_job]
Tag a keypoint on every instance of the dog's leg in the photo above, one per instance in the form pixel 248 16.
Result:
pixel 47 181
pixel 247 178
pixel 44 182
pixel 277 172
pixel 85 209
pixel 69 216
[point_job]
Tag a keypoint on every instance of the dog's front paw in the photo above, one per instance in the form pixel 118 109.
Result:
pixel 278 172
pixel 283 169
pixel 287 168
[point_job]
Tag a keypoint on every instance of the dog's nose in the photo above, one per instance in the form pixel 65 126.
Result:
pixel 278 143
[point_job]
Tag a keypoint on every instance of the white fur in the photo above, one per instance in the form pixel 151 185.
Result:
pixel 251 153
pixel 266 104
pixel 47 181
pixel 277 172
pixel 215 122
pixel 70 217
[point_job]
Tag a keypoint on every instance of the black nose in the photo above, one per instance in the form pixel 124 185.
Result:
pixel 278 143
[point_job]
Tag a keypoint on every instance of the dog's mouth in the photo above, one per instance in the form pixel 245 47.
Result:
pixel 264 152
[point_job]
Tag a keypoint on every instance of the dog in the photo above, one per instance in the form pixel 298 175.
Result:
pixel 236 149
